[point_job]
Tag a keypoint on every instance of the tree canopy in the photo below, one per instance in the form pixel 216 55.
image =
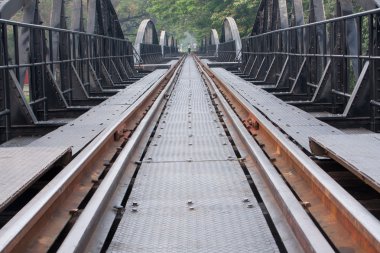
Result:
pixel 184 17
pixel 179 16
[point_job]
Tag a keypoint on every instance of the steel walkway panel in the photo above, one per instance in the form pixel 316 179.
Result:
pixel 19 142
pixel 21 166
pixel 81 131
pixel 203 148
pixel 359 153
pixel 298 124
pixel 220 221
pixel 191 198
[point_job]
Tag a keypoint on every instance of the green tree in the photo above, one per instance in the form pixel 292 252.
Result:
pixel 199 16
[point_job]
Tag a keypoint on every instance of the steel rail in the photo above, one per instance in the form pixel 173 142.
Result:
pixel 305 231
pixel 338 214
pixel 35 215
pixel 77 239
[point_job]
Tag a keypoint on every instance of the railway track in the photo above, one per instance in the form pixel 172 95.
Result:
pixel 345 223
pixel 193 166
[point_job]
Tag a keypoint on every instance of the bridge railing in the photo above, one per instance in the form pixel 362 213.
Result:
pixel 151 53
pixel 227 51
pixel 45 72
pixel 170 51
pixel 336 61
pixel 211 50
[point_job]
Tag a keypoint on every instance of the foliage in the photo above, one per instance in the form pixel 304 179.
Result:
pixel 199 16
pixel 196 17
pixel 131 13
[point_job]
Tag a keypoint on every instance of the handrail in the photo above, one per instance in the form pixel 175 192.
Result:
pixel 327 21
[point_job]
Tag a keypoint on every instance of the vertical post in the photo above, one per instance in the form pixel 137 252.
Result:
pixel 17 53
pixel 70 72
pixel 4 80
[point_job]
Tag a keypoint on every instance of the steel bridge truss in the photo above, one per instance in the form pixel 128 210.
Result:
pixel 169 45
pixel 210 44
pixel 328 67
pixel 51 73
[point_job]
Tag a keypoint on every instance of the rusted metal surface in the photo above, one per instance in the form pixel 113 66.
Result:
pixel 298 124
pixel 295 227
pixel 342 218
pixel 358 153
pixel 97 218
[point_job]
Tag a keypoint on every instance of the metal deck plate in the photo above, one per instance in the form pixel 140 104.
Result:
pixel 21 166
pixel 358 153
pixel 298 124
pixel 220 220
pixel 18 142
pixel 85 128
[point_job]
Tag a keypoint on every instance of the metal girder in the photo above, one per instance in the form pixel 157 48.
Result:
pixel 316 11
pixel 271 15
pixel 171 42
pixel 214 37
pixel 31 16
pixel 77 16
pixel 369 4
pixel 168 44
pixel 146 34
pixel 212 45
pixel 102 19
pixel 8 8
pixel 343 8
pixel 57 20
pixel 230 32
pixel 164 39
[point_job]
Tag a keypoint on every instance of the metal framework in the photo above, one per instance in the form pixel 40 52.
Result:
pixel 147 43
pixel 213 43
pixel 329 67
pixel 210 44
pixel 230 43
pixel 168 45
pixel 66 71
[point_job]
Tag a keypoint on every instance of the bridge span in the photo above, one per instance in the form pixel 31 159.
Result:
pixel 266 143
